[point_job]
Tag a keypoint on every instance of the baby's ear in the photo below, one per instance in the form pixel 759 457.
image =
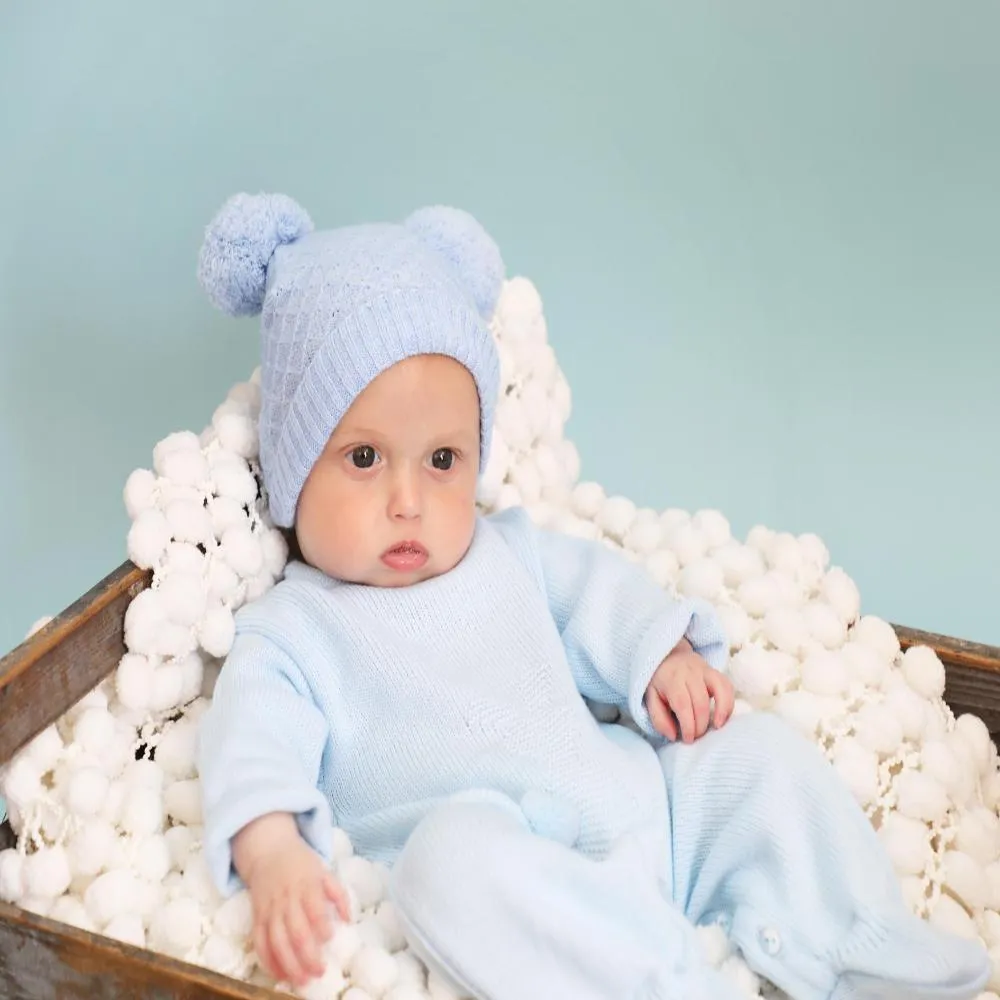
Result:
pixel 459 238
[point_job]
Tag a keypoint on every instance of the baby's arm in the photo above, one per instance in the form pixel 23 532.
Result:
pixel 617 624
pixel 266 822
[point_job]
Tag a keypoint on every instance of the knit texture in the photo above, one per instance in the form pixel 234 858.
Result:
pixel 338 307
pixel 364 707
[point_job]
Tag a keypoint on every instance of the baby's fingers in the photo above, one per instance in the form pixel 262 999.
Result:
pixel 287 963
pixel 317 911
pixel 303 940
pixel 680 702
pixel 337 895
pixel 697 692
pixel 721 689
pixel 262 945
pixel 659 715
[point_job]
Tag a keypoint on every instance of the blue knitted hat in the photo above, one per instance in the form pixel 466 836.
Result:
pixel 340 306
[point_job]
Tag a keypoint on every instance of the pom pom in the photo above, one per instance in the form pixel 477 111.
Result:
pixel 738 562
pixel 217 631
pixel 47 872
pixel 713 526
pixel 142 811
pixel 841 593
pixel 687 542
pixel 786 630
pixel 139 493
pixel 877 634
pixel 189 521
pixel 978 835
pixel 858 769
pixel 374 970
pixel 907 706
pixel 921 797
pixel 234 480
pixel 183 557
pixel 824 624
pixel 90 847
pixel 520 308
pixel 182 801
pixel 759 595
pixel 951 917
pixel 11 876
pixel 877 728
pixel 236 429
pixel 908 842
pixel 525 477
pixel 824 673
pixel 976 736
pixel 184 467
pixel 865 665
pixel 180 842
pixel 736 624
pixel 45 749
pixel 702 578
pixel 94 730
pixel 645 534
pixel 176 750
pixel 183 597
pixel 924 671
pixel 362 877
pixel 176 928
pixel 127 928
pixel 134 680
pixel 587 499
pixel 616 516
pixel 466 245
pixel 238 246
pixel 147 538
pixel 88 788
pixel 69 910
pixel 234 918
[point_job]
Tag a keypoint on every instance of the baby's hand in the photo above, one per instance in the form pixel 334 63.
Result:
pixel 679 692
pixel 290 889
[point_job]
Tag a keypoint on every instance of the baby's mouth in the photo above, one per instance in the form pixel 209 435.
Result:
pixel 408 555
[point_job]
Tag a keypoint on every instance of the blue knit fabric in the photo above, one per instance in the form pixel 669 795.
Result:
pixel 364 707
pixel 338 307
pixel 441 725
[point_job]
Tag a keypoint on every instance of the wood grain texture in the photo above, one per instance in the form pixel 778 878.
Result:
pixel 41 959
pixel 972 674
pixel 53 669
pixel 952 652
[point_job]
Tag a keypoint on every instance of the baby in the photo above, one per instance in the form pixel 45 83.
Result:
pixel 418 679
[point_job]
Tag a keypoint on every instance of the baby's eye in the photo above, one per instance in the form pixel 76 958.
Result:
pixel 443 459
pixel 364 456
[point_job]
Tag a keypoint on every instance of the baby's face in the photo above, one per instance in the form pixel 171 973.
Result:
pixel 391 500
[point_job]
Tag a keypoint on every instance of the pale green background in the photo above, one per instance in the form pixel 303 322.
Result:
pixel 767 236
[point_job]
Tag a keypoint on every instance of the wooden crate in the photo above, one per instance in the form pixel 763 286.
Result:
pixel 42 959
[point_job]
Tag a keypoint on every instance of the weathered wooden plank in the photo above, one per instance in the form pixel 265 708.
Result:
pixel 972 674
pixel 952 652
pixel 49 672
pixel 41 959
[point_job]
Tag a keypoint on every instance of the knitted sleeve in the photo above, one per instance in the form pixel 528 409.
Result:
pixel 617 624
pixel 260 748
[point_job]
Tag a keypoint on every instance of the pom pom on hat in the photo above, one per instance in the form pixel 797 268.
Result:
pixel 461 240
pixel 239 243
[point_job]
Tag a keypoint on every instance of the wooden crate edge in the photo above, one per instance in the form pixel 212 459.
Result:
pixel 50 671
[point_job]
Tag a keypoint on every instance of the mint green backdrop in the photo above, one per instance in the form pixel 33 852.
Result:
pixel 767 236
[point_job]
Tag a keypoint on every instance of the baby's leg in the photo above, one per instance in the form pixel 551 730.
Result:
pixel 508 915
pixel 768 841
